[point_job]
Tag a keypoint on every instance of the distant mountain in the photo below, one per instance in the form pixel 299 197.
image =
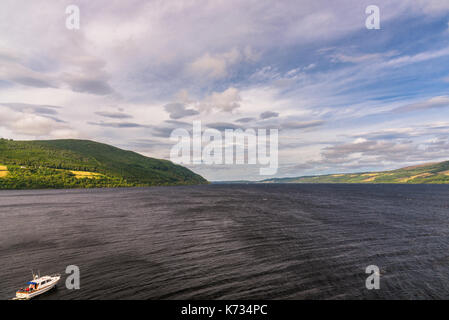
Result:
pixel 435 173
pixel 84 164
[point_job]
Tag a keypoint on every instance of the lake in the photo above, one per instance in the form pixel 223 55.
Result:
pixel 265 241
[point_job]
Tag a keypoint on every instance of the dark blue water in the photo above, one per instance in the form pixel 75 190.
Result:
pixel 230 241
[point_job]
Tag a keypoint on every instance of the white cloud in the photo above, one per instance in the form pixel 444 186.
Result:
pixel 219 65
pixel 209 66
pixel 434 102
pixel 34 125
pixel 226 101
pixel 420 57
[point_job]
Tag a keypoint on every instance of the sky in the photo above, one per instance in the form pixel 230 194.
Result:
pixel 343 97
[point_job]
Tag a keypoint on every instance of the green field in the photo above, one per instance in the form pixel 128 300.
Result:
pixel 83 164
pixel 435 173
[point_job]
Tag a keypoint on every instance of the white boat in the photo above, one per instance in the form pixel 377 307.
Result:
pixel 37 286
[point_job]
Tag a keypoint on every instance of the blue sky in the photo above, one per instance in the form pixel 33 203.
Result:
pixel 344 98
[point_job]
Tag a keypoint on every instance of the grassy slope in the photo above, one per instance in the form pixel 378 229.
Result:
pixel 37 164
pixel 429 173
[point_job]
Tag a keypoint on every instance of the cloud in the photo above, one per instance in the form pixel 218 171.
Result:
pixel 226 101
pixel 389 134
pixel 177 123
pixel 86 73
pixel 222 126
pixel 382 151
pixel 218 65
pixel 33 108
pixel 420 57
pixel 88 85
pixel 33 125
pixel 179 110
pixel 165 129
pixel 425 130
pixel 13 70
pixel 269 114
pixel 293 125
pixel 209 66
pixel 45 111
pixel 432 103
pixel 361 58
pixel 32 82
pixel 125 125
pixel 113 115
pixel 151 147
pixel 20 121
pixel 245 120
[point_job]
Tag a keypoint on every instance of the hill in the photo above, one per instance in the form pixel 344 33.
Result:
pixel 435 173
pixel 83 164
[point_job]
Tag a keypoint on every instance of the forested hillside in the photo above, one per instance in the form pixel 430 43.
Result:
pixel 83 164
pixel 431 173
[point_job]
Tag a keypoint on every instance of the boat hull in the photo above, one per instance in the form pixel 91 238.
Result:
pixel 30 295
